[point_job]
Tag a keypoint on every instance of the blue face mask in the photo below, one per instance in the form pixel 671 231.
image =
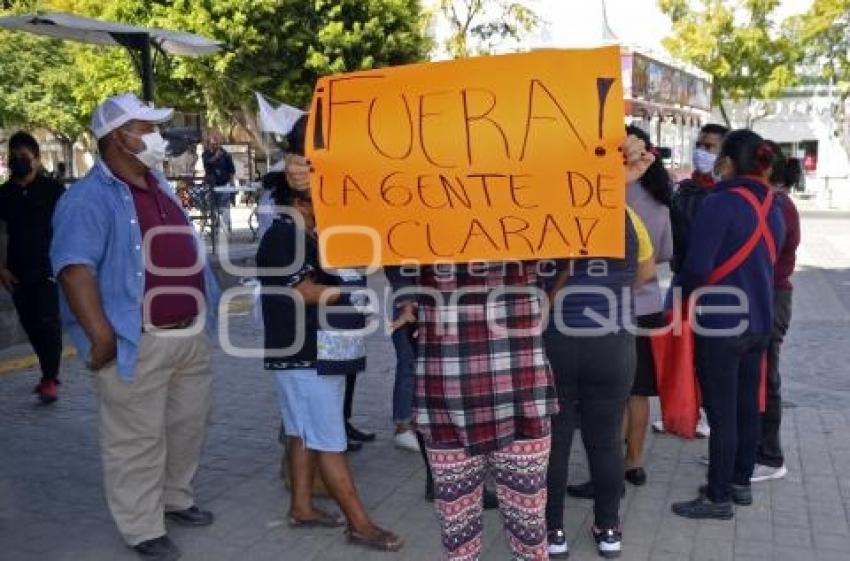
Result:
pixel 704 160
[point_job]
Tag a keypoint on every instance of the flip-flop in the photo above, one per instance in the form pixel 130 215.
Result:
pixel 385 541
pixel 324 520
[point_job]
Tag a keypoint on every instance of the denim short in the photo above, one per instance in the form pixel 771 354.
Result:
pixel 311 408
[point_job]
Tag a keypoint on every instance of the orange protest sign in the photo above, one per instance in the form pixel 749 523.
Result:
pixel 493 158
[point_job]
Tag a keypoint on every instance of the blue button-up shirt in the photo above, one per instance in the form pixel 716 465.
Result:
pixel 95 225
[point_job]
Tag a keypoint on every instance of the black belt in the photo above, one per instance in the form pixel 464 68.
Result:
pixel 182 324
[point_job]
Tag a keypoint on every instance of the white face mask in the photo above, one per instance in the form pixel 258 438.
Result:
pixel 704 160
pixel 153 153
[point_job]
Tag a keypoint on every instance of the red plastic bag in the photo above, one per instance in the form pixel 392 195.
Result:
pixel 676 379
pixel 675 375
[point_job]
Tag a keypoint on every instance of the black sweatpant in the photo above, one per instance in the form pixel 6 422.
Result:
pixel 770 448
pixel 729 371
pixel 594 377
pixel 37 304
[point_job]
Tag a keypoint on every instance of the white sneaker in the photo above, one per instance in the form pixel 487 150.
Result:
pixel 658 426
pixel 703 430
pixel 766 473
pixel 407 440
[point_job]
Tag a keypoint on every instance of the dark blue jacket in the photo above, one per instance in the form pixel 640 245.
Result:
pixel 596 286
pixel 723 224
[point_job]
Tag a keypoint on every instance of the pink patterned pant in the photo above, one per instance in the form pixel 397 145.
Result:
pixel 519 471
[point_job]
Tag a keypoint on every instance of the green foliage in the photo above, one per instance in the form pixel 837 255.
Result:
pixel 277 47
pixel 476 25
pixel 825 32
pixel 33 71
pixel 737 42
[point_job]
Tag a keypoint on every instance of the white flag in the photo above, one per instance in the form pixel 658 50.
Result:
pixel 278 120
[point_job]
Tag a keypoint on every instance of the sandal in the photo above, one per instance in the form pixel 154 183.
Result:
pixel 384 541
pixel 324 520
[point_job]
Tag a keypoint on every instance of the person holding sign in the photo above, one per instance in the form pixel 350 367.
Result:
pixel 310 361
pixel 477 170
pixel 593 358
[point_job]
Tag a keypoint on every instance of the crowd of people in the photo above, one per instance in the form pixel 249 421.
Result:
pixel 489 390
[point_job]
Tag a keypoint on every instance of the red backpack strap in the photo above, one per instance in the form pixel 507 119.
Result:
pixel 762 232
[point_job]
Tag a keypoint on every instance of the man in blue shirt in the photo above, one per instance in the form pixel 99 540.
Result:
pixel 137 297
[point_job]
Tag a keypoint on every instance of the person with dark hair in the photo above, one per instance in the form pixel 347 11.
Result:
pixel 61 172
pixel 684 205
pixel 27 202
pixel 770 461
pixel 795 179
pixel 219 172
pixel 297 171
pixel 311 388
pixel 692 191
pixel 733 246
pixel 485 397
pixel 650 197
pixel 594 367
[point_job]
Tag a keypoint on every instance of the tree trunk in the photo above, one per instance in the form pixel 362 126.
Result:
pixel 68 155
pixel 724 114
pixel 250 125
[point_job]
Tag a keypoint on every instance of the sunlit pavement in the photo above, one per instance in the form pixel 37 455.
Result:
pixel 52 505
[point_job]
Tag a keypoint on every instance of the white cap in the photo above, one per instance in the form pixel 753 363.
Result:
pixel 121 109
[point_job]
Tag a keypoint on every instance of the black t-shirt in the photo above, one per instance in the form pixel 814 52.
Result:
pixel 28 213
pixel 683 210
pixel 290 338
pixel 219 165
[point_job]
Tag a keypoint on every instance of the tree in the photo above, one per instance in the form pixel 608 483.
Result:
pixel 276 47
pixel 280 47
pixel 476 25
pixel 35 92
pixel 738 43
pixel 824 33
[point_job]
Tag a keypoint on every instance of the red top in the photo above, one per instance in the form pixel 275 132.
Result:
pixel 703 179
pixel 167 251
pixel 784 267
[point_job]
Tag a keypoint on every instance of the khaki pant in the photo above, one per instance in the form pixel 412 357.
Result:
pixel 152 431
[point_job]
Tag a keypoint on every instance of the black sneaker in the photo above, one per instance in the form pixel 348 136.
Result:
pixel 358 435
pixel 158 549
pixel 636 476
pixel 558 547
pixel 701 508
pixel 609 542
pixel 192 516
pixel 742 495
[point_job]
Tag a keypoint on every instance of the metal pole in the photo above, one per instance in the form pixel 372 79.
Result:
pixel 138 42
pixel 147 70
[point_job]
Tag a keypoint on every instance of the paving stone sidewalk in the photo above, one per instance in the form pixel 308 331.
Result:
pixel 52 506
